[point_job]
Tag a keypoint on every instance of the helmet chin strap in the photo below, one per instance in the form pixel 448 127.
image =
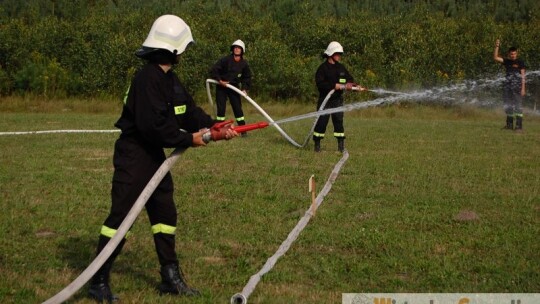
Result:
pixel 331 59
pixel 237 57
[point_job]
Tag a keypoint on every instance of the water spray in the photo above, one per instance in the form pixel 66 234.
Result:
pixel 68 291
pixel 271 122
pixel 396 97
pixel 435 93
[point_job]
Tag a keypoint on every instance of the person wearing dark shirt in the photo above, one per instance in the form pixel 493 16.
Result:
pixel 514 86
pixel 332 75
pixel 232 69
pixel 158 113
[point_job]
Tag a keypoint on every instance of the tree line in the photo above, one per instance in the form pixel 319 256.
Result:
pixel 60 48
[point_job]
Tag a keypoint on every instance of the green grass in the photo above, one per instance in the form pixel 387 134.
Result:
pixel 389 224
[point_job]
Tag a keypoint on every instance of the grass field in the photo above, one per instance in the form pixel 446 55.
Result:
pixel 432 199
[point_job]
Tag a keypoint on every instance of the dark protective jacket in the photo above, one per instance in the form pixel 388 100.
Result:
pixel 328 75
pixel 513 73
pixel 234 72
pixel 158 107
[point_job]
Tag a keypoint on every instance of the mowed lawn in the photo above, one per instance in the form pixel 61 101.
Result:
pixel 432 199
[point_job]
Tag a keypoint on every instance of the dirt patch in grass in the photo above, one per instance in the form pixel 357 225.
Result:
pixel 466 216
pixel 45 233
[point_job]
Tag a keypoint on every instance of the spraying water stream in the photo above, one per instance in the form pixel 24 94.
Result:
pixel 451 94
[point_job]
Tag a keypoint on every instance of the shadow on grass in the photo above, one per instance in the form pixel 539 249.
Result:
pixel 79 252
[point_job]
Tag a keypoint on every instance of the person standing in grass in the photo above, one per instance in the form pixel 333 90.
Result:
pixel 514 86
pixel 232 69
pixel 332 75
pixel 158 113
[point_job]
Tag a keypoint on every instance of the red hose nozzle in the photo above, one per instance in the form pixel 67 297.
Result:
pixel 249 127
pixel 219 130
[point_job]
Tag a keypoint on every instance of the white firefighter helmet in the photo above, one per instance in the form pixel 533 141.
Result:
pixel 239 43
pixel 169 33
pixel 333 47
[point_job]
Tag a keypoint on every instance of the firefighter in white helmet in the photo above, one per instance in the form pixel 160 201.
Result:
pixel 232 69
pixel 332 75
pixel 157 109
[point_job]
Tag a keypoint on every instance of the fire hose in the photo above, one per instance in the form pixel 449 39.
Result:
pixel 268 118
pixel 215 133
pixel 208 81
pixel 241 298
pixel 102 257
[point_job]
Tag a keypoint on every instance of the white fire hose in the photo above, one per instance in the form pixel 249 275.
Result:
pixel 270 120
pixel 241 298
pixel 102 257
pixel 139 204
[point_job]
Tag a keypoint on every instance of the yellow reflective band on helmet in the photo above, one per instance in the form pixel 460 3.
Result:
pixel 175 41
pixel 318 134
pixel 162 228
pixel 339 134
pixel 342 80
pixel 126 94
pixel 240 118
pixel 180 110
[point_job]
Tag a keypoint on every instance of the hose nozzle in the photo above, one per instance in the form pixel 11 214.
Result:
pixel 219 130
pixel 238 299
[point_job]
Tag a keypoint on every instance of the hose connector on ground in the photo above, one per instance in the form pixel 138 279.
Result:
pixel 238 299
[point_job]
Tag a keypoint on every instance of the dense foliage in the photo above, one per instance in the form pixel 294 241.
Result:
pixel 62 48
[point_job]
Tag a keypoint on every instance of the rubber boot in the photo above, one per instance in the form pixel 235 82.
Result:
pixel 173 282
pixel 317 145
pixel 99 286
pixel 341 144
pixel 509 123
pixel 519 123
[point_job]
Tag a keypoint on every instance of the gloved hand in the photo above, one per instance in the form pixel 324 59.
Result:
pixel 219 131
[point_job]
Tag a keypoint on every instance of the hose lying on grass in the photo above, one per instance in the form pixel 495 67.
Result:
pixel 241 298
pixel 102 257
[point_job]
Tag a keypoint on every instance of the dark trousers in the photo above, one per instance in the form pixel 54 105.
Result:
pixel 134 167
pixel 512 101
pixel 222 94
pixel 337 118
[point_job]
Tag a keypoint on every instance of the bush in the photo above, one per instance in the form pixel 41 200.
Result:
pixel 42 76
pixel 89 46
pixel 5 83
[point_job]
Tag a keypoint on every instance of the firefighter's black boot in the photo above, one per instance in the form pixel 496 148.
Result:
pixel 317 143
pixel 341 144
pixel 99 286
pixel 173 282
pixel 509 123
pixel 519 123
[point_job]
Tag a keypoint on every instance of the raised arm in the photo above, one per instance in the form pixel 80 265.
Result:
pixel 496 56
